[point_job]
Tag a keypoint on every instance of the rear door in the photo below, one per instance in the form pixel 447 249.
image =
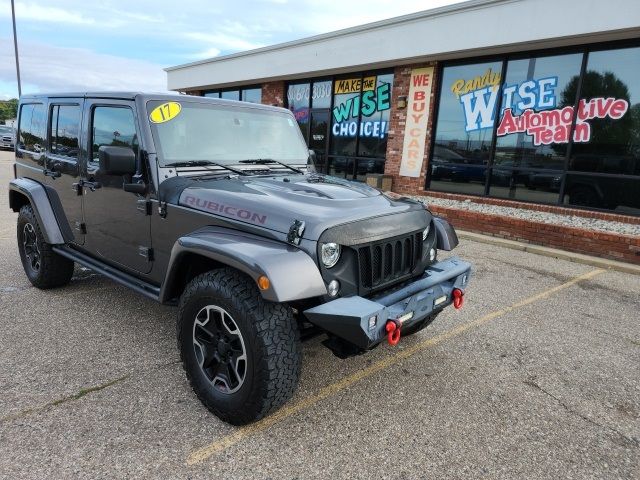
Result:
pixel 63 156
pixel 118 227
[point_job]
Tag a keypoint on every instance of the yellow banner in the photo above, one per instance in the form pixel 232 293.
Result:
pixel 354 85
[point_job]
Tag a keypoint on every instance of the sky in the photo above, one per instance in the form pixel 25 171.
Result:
pixel 70 45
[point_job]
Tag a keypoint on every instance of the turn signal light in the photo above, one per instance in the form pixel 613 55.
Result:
pixel 263 282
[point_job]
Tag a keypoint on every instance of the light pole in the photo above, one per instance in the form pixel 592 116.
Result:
pixel 15 45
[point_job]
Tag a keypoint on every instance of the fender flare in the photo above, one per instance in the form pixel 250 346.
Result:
pixel 43 207
pixel 446 237
pixel 292 273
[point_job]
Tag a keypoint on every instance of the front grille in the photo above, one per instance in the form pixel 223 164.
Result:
pixel 382 263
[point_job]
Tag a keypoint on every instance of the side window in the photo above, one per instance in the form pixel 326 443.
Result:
pixel 113 126
pixel 64 128
pixel 32 128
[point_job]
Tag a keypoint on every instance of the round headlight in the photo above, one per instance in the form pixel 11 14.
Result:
pixel 425 232
pixel 330 254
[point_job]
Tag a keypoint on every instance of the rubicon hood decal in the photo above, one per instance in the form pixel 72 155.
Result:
pixel 274 202
pixel 199 203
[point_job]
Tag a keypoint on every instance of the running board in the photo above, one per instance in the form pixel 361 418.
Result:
pixel 140 286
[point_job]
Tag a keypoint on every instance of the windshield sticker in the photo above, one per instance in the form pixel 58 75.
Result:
pixel 165 112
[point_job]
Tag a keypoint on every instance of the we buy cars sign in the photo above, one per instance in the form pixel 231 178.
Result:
pixel 415 130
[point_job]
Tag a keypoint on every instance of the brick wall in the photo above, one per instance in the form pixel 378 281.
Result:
pixel 401 80
pixel 273 93
pixel 600 244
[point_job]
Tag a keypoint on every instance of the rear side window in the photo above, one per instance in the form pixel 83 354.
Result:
pixel 32 127
pixel 113 126
pixel 64 128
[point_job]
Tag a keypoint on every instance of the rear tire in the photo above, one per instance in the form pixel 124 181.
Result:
pixel 241 353
pixel 44 268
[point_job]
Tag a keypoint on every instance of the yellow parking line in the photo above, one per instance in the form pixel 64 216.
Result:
pixel 288 410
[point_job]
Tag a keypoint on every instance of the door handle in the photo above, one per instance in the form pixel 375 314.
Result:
pixel 91 185
pixel 51 173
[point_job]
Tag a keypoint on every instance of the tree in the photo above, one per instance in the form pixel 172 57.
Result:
pixel 608 136
pixel 8 109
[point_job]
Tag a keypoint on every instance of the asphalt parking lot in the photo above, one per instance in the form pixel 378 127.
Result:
pixel 538 376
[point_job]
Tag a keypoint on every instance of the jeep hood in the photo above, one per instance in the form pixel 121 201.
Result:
pixel 275 203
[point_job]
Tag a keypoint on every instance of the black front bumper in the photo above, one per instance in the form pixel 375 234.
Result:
pixel 362 321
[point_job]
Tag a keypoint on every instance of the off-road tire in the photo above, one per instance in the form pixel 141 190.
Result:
pixel 271 340
pixel 417 327
pixel 52 269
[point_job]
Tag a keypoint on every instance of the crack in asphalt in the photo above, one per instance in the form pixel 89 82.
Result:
pixel 84 391
pixel 70 398
pixel 631 440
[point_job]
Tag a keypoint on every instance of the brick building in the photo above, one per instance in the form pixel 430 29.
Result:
pixel 529 103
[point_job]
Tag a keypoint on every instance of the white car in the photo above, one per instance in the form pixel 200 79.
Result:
pixel 6 137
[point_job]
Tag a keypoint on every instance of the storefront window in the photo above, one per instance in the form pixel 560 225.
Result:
pixel 230 95
pixel 468 103
pixel 607 138
pixel 345 115
pixel 321 96
pixel 253 95
pixel 298 101
pixel 360 115
pixel 535 125
pixel 539 124
pixel 375 121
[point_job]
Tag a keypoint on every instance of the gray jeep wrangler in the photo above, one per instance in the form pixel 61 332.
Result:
pixel 215 206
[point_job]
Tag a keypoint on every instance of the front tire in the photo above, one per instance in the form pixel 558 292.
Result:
pixel 44 267
pixel 241 353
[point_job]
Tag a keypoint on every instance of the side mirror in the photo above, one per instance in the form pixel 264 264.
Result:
pixel 117 160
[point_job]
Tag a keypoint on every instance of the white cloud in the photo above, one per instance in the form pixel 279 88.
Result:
pixel 77 69
pixel 208 53
pixel 166 32
pixel 30 11
pixel 223 41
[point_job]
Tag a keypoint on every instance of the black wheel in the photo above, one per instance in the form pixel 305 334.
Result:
pixel 415 328
pixel 44 267
pixel 241 354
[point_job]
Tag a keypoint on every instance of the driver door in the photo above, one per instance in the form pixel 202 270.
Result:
pixel 117 224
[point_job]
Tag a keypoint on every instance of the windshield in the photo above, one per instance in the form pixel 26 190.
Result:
pixel 4 129
pixel 188 132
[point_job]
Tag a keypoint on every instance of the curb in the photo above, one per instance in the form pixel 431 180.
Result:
pixel 551 252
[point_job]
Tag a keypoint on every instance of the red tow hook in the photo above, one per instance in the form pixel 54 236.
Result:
pixel 458 298
pixel 393 332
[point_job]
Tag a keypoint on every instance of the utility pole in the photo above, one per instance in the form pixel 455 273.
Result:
pixel 15 46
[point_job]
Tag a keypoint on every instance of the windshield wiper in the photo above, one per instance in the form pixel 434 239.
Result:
pixel 204 163
pixel 266 161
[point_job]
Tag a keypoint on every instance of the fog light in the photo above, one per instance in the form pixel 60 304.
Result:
pixel 373 320
pixel 432 254
pixel 333 288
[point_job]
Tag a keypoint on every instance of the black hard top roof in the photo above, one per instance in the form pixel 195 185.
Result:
pixel 145 97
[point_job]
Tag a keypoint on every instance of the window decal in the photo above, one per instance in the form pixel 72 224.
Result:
pixel 165 112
